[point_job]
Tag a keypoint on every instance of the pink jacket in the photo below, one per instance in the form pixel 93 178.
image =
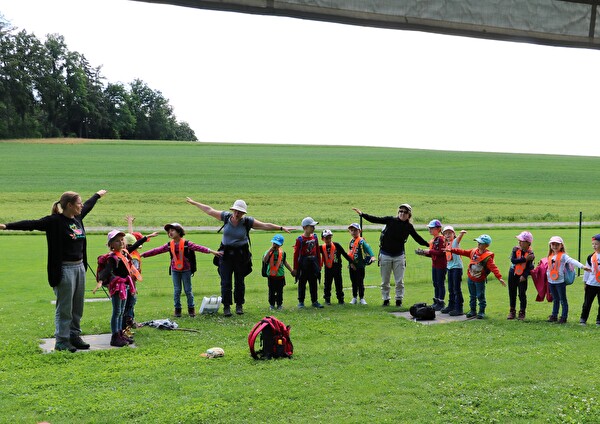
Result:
pixel 540 280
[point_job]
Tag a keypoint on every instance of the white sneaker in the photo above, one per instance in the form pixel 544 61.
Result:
pixel 363 302
pixel 353 301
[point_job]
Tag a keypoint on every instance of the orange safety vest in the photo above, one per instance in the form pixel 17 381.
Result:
pixel 448 252
pixel 130 269
pixel 595 267
pixel 354 248
pixel 328 257
pixel 274 266
pixel 553 267
pixel 476 259
pixel 177 258
pixel 520 267
pixel 136 255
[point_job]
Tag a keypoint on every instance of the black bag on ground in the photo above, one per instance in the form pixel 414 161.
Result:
pixel 422 311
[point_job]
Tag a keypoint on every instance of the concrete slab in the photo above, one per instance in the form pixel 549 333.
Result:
pixel 96 341
pixel 439 318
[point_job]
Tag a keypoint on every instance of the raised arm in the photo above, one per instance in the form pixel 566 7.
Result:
pixel 205 208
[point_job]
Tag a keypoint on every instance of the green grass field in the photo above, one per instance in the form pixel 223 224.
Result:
pixel 352 364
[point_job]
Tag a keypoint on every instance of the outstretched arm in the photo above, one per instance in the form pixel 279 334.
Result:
pixel 258 225
pixel 205 208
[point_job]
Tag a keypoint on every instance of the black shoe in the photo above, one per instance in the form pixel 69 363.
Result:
pixel 239 310
pixel 78 343
pixel 65 346
pixel 226 311
pixel 398 302
pixel 386 302
pixel 456 313
pixel 447 310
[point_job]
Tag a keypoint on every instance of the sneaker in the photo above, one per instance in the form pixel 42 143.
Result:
pixel 117 341
pixel 363 301
pixel 456 313
pixel 438 305
pixel 353 301
pixel 300 305
pixel 327 301
pixel 471 314
pixel 78 343
pixel 598 323
pixel 341 302
pixel 271 307
pixel 192 312
pixel 447 310
pixel 279 307
pixel 177 313
pixel 317 305
pixel 480 315
pixel 65 346
pixel 512 314
pixel 398 302
pixel 562 320
pixel 386 302
pixel 226 311
pixel 239 310
pixel 521 316
pixel 552 318
pixel 582 322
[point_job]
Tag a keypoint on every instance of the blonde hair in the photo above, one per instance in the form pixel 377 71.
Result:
pixel 67 197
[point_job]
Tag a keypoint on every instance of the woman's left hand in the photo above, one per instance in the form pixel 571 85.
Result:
pixel 101 193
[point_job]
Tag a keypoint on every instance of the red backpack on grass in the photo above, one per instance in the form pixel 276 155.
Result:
pixel 274 341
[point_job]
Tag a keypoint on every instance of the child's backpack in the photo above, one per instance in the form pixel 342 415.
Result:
pixel 102 261
pixel 570 274
pixel 422 312
pixel 274 341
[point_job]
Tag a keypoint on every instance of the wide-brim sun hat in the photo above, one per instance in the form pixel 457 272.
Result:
pixel 525 236
pixel 239 205
pixel 114 234
pixel 556 239
pixel 483 239
pixel 177 226
pixel 309 221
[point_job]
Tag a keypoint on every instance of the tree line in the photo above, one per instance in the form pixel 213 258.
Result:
pixel 46 90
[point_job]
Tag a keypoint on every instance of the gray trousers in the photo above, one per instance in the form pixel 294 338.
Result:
pixel 69 301
pixel 387 265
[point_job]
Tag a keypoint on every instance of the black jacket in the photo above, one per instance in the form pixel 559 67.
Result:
pixel 394 235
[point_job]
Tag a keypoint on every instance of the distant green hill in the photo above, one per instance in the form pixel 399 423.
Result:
pixel 283 184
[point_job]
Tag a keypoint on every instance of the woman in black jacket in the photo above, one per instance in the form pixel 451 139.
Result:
pixel 67 262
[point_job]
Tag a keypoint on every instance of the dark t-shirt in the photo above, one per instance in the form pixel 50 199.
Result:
pixel 73 236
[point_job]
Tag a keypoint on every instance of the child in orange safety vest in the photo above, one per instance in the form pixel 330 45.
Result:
pixel 362 255
pixel 181 268
pixel 521 260
pixel 275 262
pixel 480 265
pixel 331 262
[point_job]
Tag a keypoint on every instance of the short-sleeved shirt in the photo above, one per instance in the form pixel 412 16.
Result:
pixel 235 236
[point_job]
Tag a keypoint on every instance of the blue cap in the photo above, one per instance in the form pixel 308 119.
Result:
pixel 434 223
pixel 484 239
pixel 277 239
pixel 596 237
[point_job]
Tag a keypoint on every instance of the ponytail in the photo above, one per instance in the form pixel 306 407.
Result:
pixel 56 207
pixel 67 197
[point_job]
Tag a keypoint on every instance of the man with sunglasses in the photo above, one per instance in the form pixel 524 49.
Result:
pixel 391 248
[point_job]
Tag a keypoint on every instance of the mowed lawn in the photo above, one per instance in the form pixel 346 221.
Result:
pixel 351 363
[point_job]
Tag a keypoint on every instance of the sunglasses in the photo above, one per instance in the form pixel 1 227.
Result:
pixel 402 211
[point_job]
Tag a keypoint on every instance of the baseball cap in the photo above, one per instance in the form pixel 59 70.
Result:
pixel 130 238
pixel 213 352
pixel 309 221
pixel 483 239
pixel 449 228
pixel 596 237
pixel 406 206
pixel 177 226
pixel 354 225
pixel 113 234
pixel 434 223
pixel 525 236
pixel 239 205
pixel 277 239
pixel 326 233
pixel 556 239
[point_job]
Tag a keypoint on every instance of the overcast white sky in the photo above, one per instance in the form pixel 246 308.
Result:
pixel 243 78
